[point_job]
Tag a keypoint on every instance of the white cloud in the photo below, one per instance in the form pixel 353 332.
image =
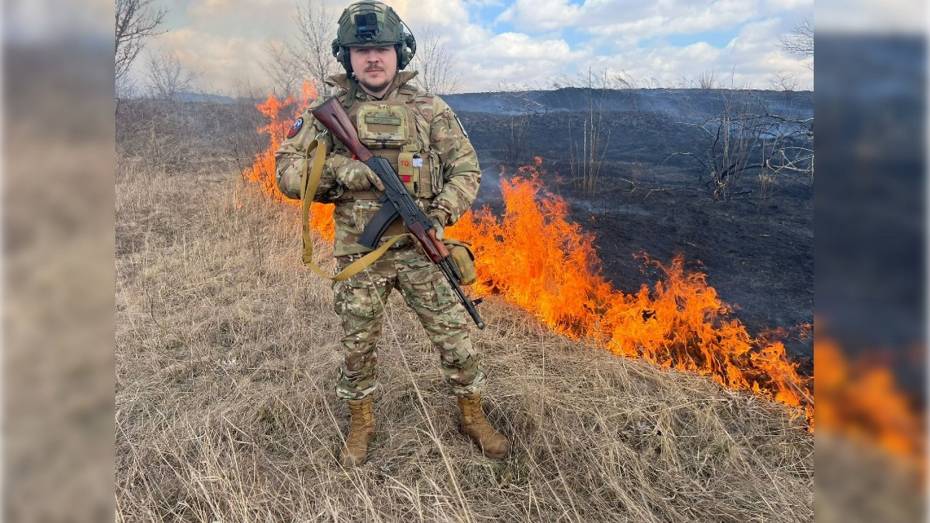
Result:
pixel 519 46
pixel 785 5
pixel 488 62
pixel 753 58
pixel 651 19
pixel 225 40
pixel 442 13
pixel 633 19
pixel 908 16
pixel 484 3
pixel 541 15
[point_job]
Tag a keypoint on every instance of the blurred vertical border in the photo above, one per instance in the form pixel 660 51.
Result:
pixel 58 238
pixel 870 256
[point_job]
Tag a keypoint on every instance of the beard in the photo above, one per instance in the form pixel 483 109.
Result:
pixel 375 87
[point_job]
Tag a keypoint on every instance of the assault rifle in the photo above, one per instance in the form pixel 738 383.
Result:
pixel 396 203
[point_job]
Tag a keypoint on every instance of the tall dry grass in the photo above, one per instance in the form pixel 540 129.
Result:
pixel 225 365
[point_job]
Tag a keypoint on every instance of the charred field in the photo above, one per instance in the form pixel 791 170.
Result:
pixel 649 195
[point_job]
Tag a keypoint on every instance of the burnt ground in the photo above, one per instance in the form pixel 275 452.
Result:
pixel 756 247
pixel 757 253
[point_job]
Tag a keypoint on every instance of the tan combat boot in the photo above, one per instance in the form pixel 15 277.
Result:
pixel 476 426
pixel 361 429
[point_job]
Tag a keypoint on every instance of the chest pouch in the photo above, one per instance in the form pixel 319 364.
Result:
pixel 383 126
pixel 388 129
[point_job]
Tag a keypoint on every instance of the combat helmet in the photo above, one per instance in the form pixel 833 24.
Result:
pixel 369 23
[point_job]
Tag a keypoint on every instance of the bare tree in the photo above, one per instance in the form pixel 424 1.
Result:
pixel 136 20
pixel 282 69
pixel 167 77
pixel 784 82
pixel 435 62
pixel 312 54
pixel 800 41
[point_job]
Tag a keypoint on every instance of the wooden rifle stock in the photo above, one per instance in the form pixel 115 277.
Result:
pixel 334 117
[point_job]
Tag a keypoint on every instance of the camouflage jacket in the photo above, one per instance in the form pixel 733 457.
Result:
pixel 416 131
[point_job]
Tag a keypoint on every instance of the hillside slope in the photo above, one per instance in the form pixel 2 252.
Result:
pixel 225 364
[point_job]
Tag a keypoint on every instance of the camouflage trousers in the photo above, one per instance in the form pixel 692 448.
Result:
pixel 360 300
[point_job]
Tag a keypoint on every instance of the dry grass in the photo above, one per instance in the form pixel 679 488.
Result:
pixel 225 365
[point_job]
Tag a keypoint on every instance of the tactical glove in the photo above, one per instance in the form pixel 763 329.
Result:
pixel 439 218
pixel 356 176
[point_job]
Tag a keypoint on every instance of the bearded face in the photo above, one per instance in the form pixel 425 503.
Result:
pixel 374 67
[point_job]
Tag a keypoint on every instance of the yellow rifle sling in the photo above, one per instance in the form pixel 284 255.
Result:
pixel 311 180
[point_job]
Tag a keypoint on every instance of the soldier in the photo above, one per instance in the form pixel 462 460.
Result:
pixel 429 149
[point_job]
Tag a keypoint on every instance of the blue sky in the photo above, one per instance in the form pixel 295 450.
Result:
pixel 521 43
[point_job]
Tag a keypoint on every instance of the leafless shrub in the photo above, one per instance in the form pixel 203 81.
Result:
pixel 588 145
pixel 167 78
pixel 518 130
pixel 784 82
pixel 707 80
pixel 800 41
pixel 588 149
pixel 620 80
pixel 136 21
pixel 522 108
pixel 282 70
pixel 435 62
pixel 746 137
pixel 603 79
pixel 789 146
pixel 766 182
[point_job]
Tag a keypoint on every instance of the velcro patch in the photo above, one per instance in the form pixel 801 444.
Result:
pixel 462 127
pixel 298 125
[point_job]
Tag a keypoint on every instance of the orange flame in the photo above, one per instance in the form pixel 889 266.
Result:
pixel 860 400
pixel 262 170
pixel 534 257
pixel 537 259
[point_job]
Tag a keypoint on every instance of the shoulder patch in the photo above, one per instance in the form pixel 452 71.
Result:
pixel 462 127
pixel 298 125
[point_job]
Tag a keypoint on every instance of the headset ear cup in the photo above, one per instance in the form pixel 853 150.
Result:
pixel 342 56
pixel 407 50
